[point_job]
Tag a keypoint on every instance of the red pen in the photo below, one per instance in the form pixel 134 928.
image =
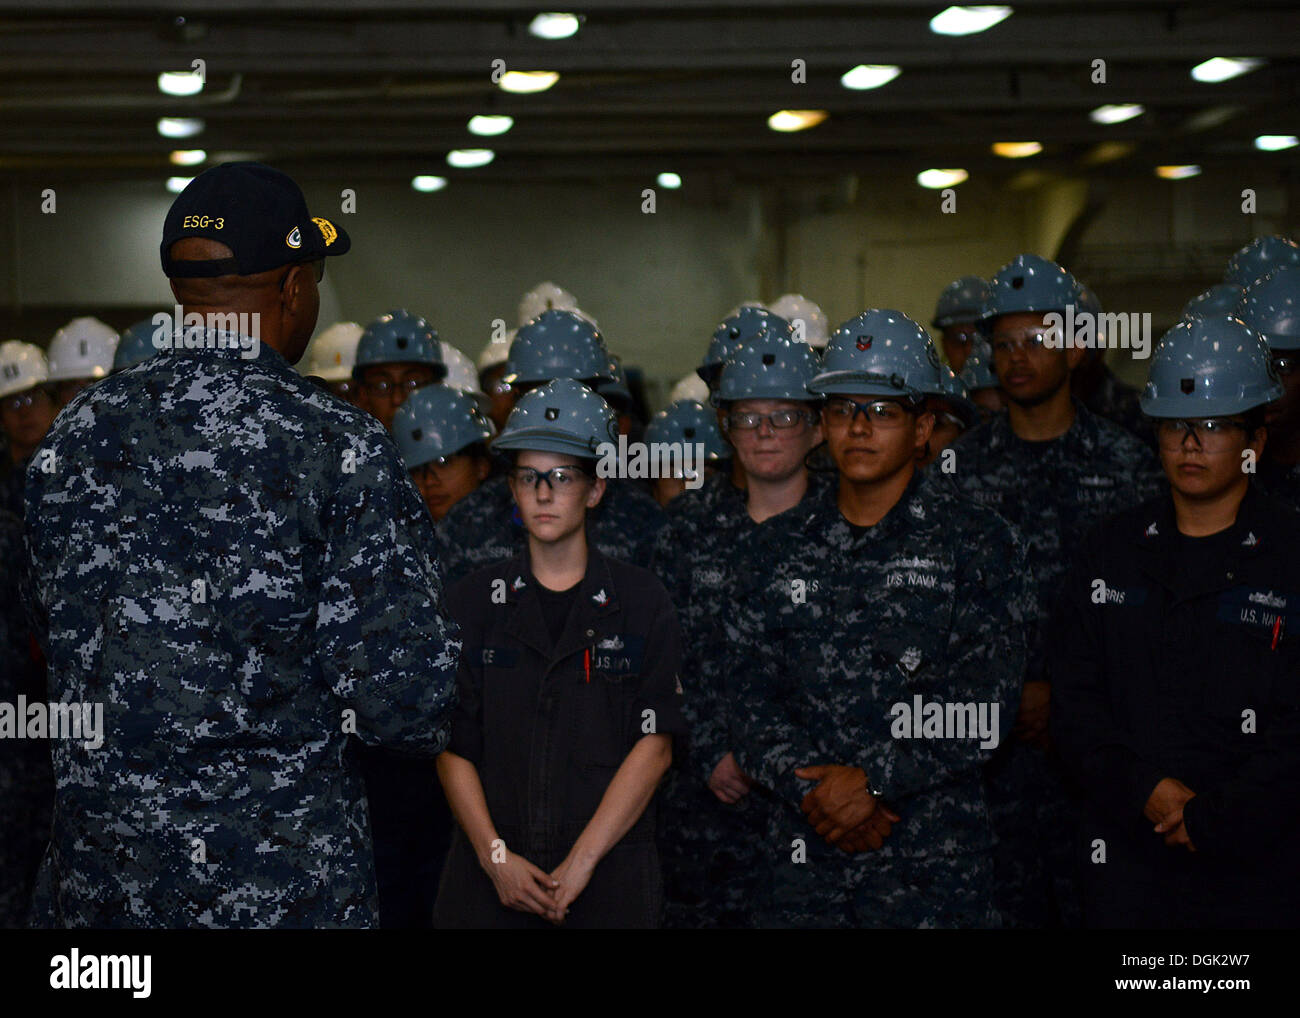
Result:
pixel 586 662
pixel 1277 631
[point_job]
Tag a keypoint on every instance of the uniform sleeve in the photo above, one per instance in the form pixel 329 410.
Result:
pixel 985 661
pixel 1089 739
pixel 661 688
pixel 386 646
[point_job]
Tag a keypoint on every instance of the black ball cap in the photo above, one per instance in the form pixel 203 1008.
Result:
pixel 257 212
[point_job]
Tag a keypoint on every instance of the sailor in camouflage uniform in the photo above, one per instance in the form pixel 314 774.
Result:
pixel 485 526
pixel 26 780
pixel 860 599
pixel 234 563
pixel 712 822
pixel 1054 470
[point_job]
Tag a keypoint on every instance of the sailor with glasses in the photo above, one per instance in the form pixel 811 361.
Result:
pixel 1175 659
pixel 397 354
pixel 713 826
pixel 569 700
pixel 862 602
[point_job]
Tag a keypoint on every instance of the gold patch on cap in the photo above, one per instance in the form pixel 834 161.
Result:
pixel 326 230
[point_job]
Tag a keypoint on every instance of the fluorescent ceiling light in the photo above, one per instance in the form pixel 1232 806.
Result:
pixel 941 178
pixel 1223 68
pixel 1276 142
pixel 1177 172
pixel 187 156
pixel 428 182
pixel 553 25
pixel 524 82
pixel 179 127
pixel 968 20
pixel 180 83
pixel 669 180
pixel 1116 113
pixel 1016 149
pixel 487 126
pixel 866 76
pixel 468 158
pixel 177 184
pixel 795 120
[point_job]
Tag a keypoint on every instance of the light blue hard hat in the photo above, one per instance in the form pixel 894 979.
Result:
pixel 1260 257
pixel 558 344
pixel 734 332
pixel 977 372
pixel 1272 308
pixel 961 301
pixel 437 421
pixel 399 337
pixel 1029 283
pixel 770 365
pixel 686 422
pixel 561 416
pixel 1220 299
pixel 135 345
pixel 1209 367
pixel 880 352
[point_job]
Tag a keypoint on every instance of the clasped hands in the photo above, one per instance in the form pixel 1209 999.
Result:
pixel 1164 808
pixel 842 809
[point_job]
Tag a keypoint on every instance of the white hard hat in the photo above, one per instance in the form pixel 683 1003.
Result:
pixel 745 304
pixel 795 307
pixel 690 387
pixel 496 352
pixel 461 372
pixel 545 297
pixel 82 349
pixel 22 366
pixel 334 352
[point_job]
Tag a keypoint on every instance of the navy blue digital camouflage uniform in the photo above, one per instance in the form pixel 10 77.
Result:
pixel 833 625
pixel 26 778
pixel 485 527
pixel 236 565
pixel 713 868
pixel 1053 492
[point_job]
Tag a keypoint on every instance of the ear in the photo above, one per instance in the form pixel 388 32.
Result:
pixel 483 468
pixel 175 292
pixel 596 493
pixel 1257 442
pixel 1074 356
pixel 924 428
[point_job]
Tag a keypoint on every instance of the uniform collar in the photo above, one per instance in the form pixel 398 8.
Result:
pixel 1155 532
pixel 1083 435
pixel 908 513
pixel 596 599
